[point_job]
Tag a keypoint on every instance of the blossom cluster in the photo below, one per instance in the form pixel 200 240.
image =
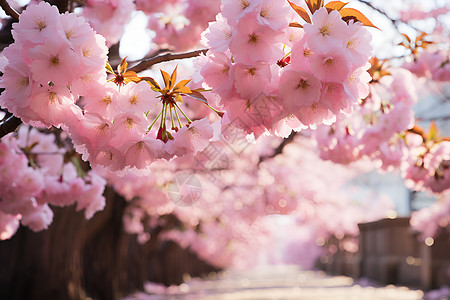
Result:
pixel 216 225
pixel 431 220
pixel 428 167
pixel 124 127
pixel 434 65
pixel 373 128
pixel 382 128
pixel 108 17
pixel 62 58
pixel 55 59
pixel 34 175
pixel 178 24
pixel 272 77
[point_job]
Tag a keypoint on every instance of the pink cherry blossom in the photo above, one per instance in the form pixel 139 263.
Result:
pixel 326 31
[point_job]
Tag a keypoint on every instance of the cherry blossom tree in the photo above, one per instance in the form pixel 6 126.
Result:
pixel 241 109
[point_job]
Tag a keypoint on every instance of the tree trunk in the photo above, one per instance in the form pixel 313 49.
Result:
pixel 76 259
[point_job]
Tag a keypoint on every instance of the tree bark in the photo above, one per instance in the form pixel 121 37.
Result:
pixel 78 259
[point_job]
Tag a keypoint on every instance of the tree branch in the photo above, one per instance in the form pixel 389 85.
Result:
pixel 9 10
pixel 63 5
pixel 147 63
pixel 9 124
pixel 394 22
pixel 280 147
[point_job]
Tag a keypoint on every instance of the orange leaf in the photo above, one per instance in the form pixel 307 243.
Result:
pixel 166 78
pixel 173 78
pixel 198 96
pixel 418 130
pixel 181 83
pixel 131 76
pixel 201 90
pixel 182 89
pixel 421 36
pixel 109 69
pixel 152 82
pixel 335 5
pixel 406 37
pixel 301 12
pixel 295 24
pixel 348 14
pixel 314 5
pixel 123 66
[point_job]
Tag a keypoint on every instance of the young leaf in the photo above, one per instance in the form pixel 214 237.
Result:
pixel 201 90
pixel 301 12
pixel 348 14
pixel 123 66
pixel 433 132
pixel 314 5
pixel 173 78
pixel 166 78
pixel 131 76
pixel 152 83
pixel 109 69
pixel 198 96
pixel 335 5
pixel 181 83
pixel 406 37
pixel 295 24
pixel 182 89
pixel 421 36
pixel 178 98
pixel 418 130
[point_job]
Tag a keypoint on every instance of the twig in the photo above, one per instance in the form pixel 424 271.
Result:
pixel 147 63
pixel 63 5
pixel 280 147
pixel 9 10
pixel 10 124
pixel 394 22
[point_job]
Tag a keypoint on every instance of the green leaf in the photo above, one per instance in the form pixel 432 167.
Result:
pixel 166 78
pixel 433 132
pixel 198 96
pixel 301 12
pixel 348 14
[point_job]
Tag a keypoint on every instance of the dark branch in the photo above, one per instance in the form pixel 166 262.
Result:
pixel 9 124
pixel 393 21
pixel 63 5
pixel 147 63
pixel 280 147
pixel 9 10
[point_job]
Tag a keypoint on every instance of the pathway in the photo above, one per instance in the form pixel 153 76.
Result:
pixel 276 283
